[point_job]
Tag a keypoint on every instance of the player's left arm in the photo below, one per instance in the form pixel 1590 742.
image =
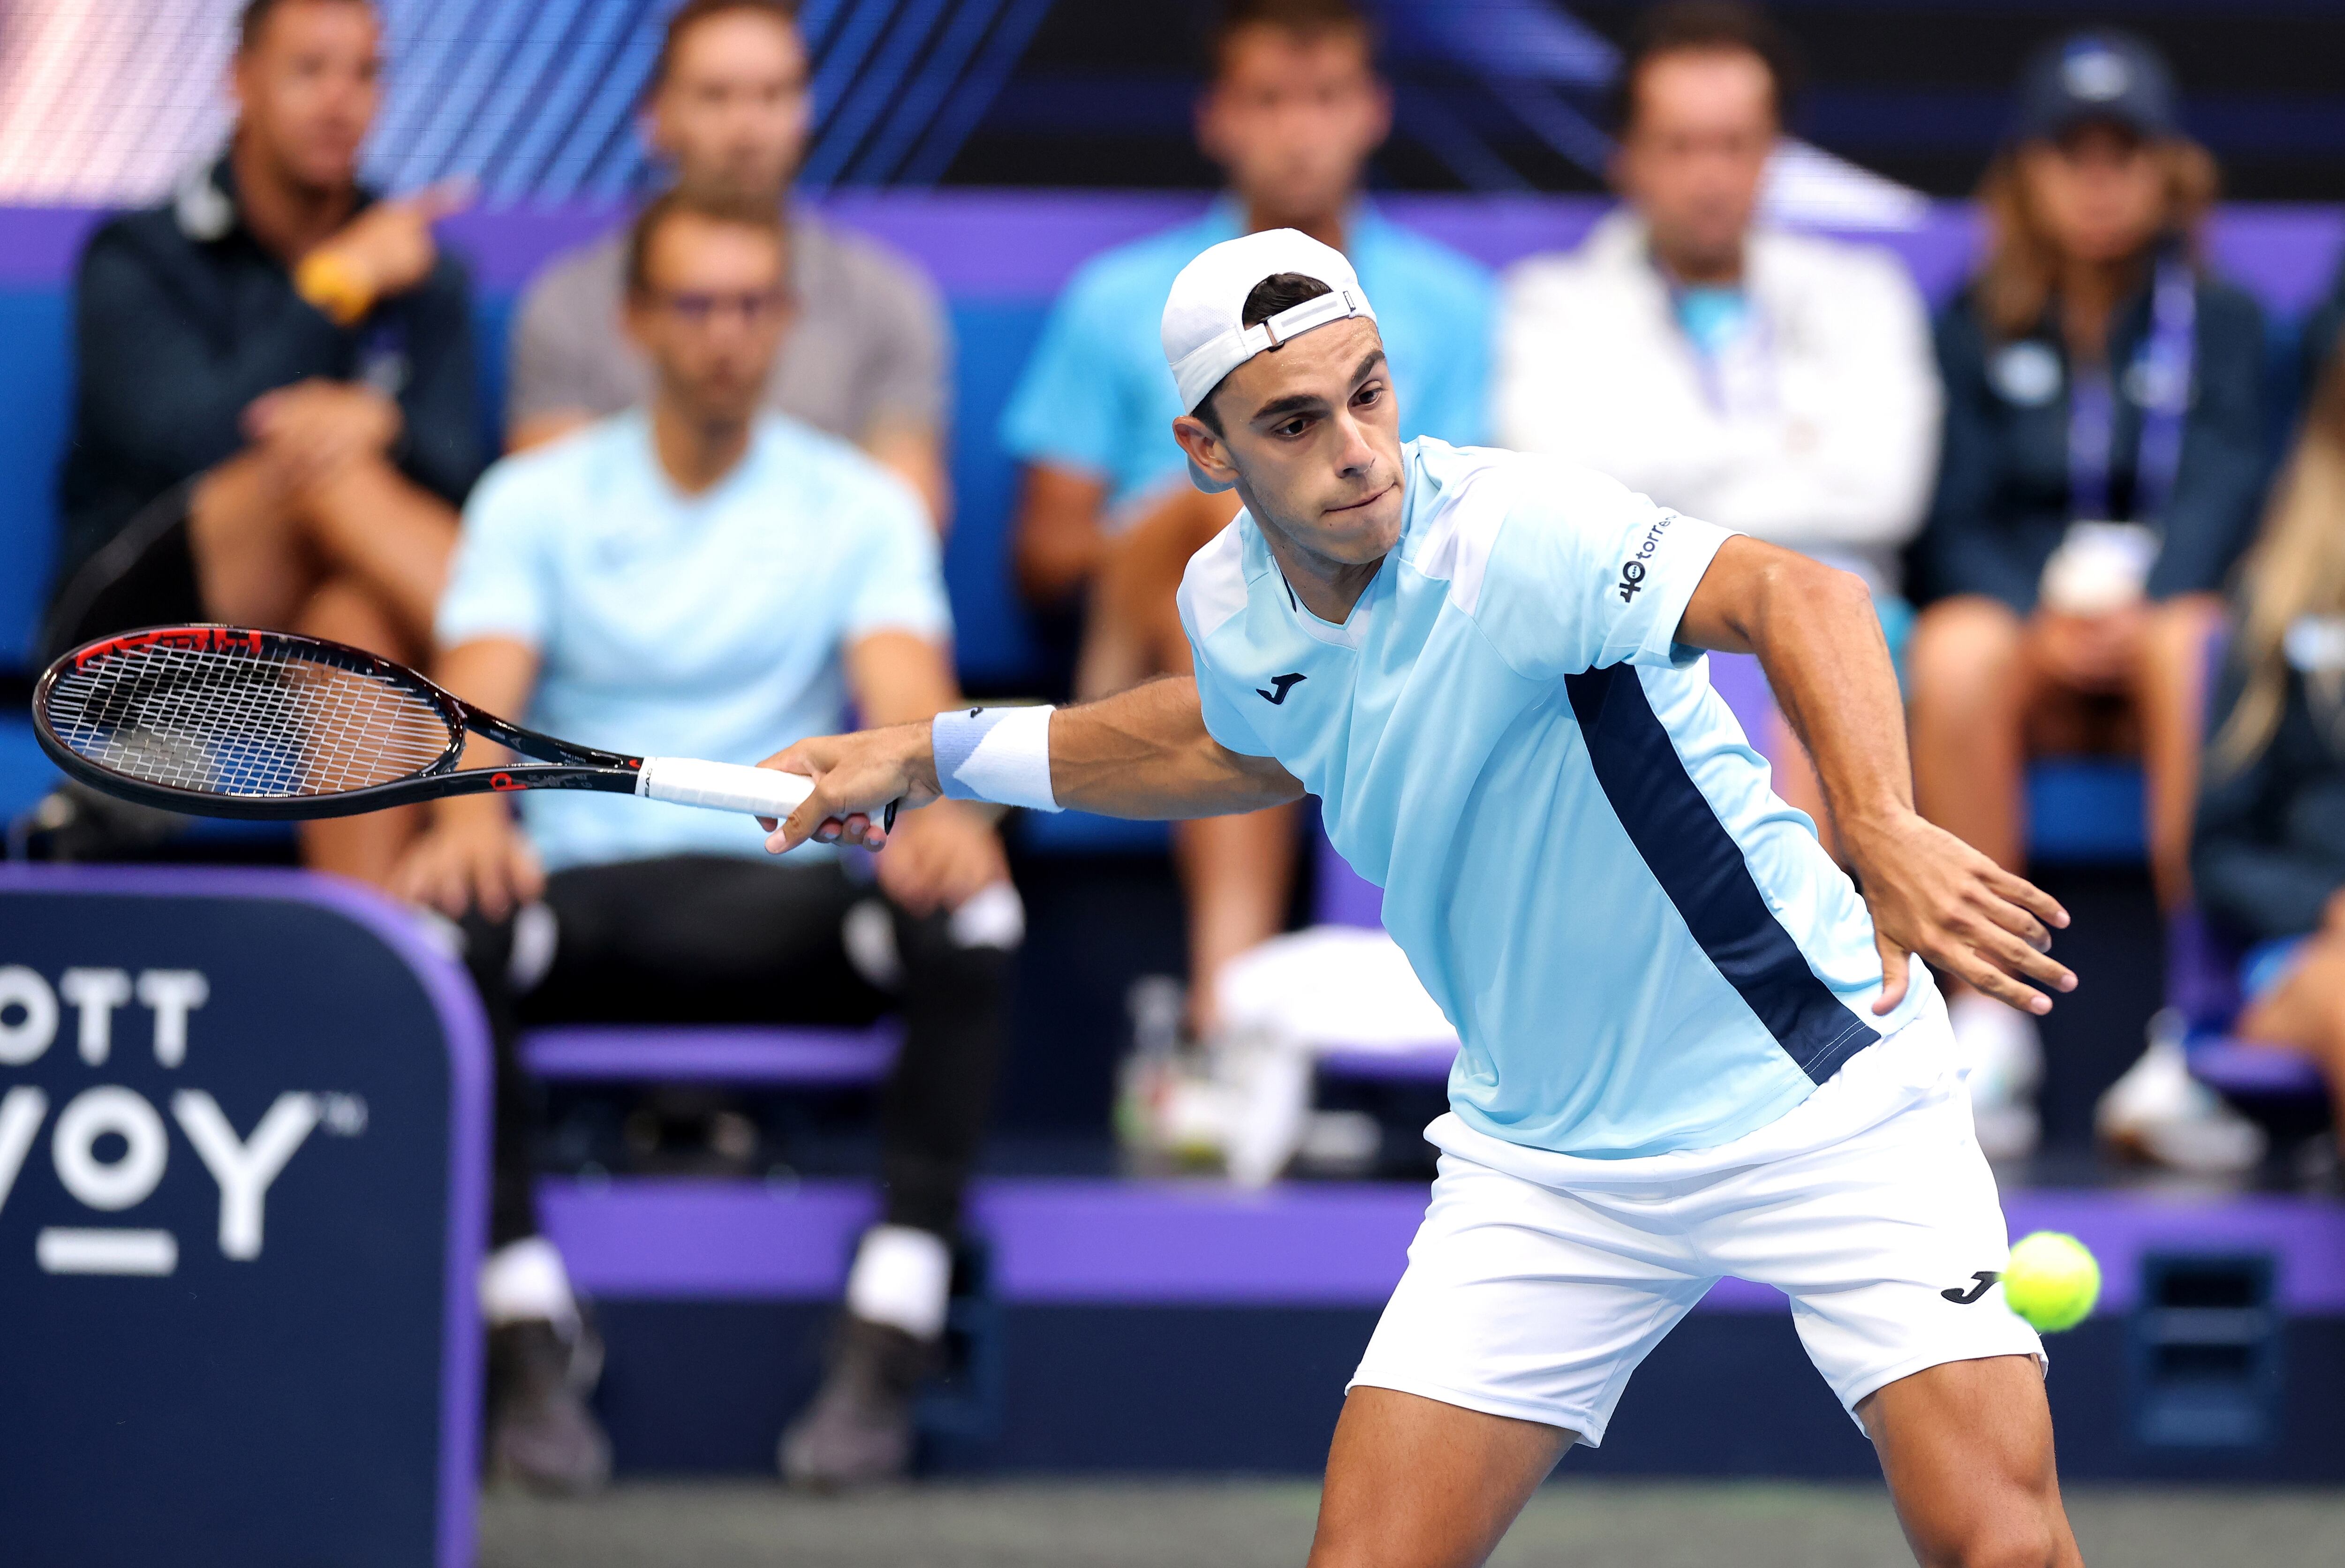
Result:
pixel 1816 636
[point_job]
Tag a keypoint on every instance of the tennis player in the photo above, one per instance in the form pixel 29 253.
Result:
pixel 1690 1047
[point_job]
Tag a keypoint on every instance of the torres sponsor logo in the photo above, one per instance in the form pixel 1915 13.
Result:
pixel 111 1146
pixel 1632 571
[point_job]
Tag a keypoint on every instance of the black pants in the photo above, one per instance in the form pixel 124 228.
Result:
pixel 714 939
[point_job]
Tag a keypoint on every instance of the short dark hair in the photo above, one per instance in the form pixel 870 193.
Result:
pixel 678 202
pixel 1279 292
pixel 1308 19
pixel 1704 27
pixel 693 12
pixel 254 18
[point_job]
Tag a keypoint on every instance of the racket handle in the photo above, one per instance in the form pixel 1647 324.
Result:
pixel 722 786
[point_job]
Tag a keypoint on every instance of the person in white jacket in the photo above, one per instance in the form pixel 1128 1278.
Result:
pixel 1776 383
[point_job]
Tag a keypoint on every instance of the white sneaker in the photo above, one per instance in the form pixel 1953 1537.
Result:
pixel 2157 1112
pixel 2002 1062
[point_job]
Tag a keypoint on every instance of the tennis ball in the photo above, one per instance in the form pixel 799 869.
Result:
pixel 2053 1281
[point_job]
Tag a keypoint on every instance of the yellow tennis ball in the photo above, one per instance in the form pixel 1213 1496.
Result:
pixel 2053 1281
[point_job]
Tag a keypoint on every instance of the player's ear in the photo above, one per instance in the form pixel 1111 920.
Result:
pixel 1206 449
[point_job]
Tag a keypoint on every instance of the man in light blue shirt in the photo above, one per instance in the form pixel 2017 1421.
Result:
pixel 1691 1050
pixel 1093 406
pixel 701 576
pixel 1293 112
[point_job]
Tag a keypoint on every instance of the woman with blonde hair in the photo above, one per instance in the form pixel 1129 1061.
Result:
pixel 2268 856
pixel 2102 463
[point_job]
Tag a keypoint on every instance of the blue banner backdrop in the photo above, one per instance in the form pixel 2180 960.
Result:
pixel 243 1139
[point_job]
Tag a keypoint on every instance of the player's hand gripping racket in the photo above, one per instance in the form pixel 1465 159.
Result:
pixel 217 721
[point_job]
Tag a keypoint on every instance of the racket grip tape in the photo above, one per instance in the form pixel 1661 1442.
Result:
pixel 729 786
pixel 722 786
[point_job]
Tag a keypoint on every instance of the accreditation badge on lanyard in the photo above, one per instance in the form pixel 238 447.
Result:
pixel 2104 563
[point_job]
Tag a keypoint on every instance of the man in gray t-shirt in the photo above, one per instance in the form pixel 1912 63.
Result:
pixel 868 356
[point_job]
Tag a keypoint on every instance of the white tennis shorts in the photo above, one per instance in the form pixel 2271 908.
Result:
pixel 1539 1282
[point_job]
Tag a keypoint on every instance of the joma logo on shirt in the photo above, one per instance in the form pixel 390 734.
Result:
pixel 1632 571
pixel 1285 684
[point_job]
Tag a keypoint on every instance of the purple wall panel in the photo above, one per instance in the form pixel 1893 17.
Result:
pixel 1305 1244
pixel 987 244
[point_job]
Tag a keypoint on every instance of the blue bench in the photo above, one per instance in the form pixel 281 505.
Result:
pixel 749 1056
pixel 2277 1088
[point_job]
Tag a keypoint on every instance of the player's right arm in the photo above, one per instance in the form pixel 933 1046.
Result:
pixel 474 855
pixel 1145 753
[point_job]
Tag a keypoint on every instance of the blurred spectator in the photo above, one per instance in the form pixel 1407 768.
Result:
pixel 275 414
pixel 2102 461
pixel 1774 382
pixel 2270 855
pixel 700 578
pixel 2324 330
pixel 729 107
pixel 1292 113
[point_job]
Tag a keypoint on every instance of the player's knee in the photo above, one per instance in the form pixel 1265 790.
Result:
pixel 2026 1536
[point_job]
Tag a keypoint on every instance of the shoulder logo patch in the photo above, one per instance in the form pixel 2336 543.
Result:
pixel 1283 685
pixel 1632 571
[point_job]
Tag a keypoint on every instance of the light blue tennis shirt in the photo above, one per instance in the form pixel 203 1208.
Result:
pixel 1096 396
pixel 1642 948
pixel 667 624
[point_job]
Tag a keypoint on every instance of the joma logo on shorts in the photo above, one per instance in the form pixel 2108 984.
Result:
pixel 1632 571
pixel 1960 1297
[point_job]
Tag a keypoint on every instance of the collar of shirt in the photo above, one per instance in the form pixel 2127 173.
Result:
pixel 1712 317
pixel 1365 227
pixel 206 208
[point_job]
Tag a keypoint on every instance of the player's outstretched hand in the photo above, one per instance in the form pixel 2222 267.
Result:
pixel 856 778
pixel 1933 895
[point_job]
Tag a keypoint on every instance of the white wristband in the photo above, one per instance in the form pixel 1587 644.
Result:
pixel 998 754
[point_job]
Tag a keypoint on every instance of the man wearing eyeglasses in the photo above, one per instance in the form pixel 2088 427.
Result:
pixel 700 575
pixel 728 111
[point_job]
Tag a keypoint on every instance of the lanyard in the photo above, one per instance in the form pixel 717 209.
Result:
pixel 1736 372
pixel 2159 380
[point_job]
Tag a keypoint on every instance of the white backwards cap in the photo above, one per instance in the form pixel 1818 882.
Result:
pixel 1204 332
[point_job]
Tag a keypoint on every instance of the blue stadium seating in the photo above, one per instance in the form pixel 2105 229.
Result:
pixel 35 398
pixel 2081 812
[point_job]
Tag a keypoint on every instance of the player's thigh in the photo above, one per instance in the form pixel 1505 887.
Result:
pixel 1966 1448
pixel 1890 1241
pixel 1524 1301
pixel 1413 1482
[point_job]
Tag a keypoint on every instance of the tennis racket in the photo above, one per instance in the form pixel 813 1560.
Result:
pixel 219 721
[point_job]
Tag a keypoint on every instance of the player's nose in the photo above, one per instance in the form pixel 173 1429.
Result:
pixel 1356 456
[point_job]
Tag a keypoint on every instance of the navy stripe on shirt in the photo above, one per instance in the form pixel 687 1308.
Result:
pixel 1700 867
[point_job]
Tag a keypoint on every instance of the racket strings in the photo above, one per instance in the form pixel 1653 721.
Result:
pixel 240 721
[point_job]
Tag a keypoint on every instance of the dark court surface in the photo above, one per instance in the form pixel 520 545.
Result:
pixel 1243 1523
